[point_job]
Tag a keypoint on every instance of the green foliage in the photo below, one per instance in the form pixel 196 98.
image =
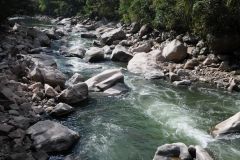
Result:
pixel 200 16
pixel 102 8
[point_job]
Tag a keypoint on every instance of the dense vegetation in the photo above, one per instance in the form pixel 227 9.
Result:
pixel 200 16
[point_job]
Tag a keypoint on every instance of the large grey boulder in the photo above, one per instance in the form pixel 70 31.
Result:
pixel 76 51
pixel 175 51
pixel 51 136
pixel 74 94
pixel 120 54
pixel 229 126
pixel 94 54
pixel 43 60
pixel 105 80
pixel 62 109
pixel 76 78
pixel 172 151
pixel 39 36
pixel 49 75
pixel 146 64
pixel 113 35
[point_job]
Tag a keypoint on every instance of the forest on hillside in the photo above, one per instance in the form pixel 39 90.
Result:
pixel 199 16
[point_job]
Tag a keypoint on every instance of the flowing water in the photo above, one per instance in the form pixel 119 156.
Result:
pixel 152 113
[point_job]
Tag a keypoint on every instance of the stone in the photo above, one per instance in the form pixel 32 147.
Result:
pixel 229 126
pixel 94 54
pixel 5 128
pixel 107 50
pixel 88 35
pixel 182 83
pixel 135 27
pixel 74 94
pixel 172 151
pixel 76 78
pixel 61 109
pixel 38 50
pixel 120 54
pixel 146 64
pixel 173 77
pixel 201 154
pixel 21 122
pixel 40 36
pixel 21 156
pixel 51 136
pixel 48 75
pixel 210 59
pixel 190 64
pixel 182 72
pixel 76 51
pixel 224 66
pixel 50 91
pixel 13 112
pixel 113 35
pixel 18 133
pixel 175 51
pixel 232 85
pixel 117 89
pixel 35 85
pixel 105 80
pixel 144 30
pixel 43 60
pixel 190 39
pixel 146 47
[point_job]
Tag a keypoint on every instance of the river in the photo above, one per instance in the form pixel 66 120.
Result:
pixel 152 113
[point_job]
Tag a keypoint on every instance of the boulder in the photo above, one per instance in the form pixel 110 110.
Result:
pixel 175 51
pixel 202 154
pixel 105 80
pixel 107 50
pixel 51 136
pixel 76 78
pixel 74 94
pixel 39 36
pixel 61 109
pixel 113 35
pixel 172 151
pixel 145 29
pixel 190 64
pixel 48 75
pixel 146 64
pixel 94 54
pixel 50 91
pixel 229 126
pixel 43 60
pixel 173 77
pixel 146 47
pixel 120 54
pixel 76 51
pixel 117 89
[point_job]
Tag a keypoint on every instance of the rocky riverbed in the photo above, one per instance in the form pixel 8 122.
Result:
pixel 34 88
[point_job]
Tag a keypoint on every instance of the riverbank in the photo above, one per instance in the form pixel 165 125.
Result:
pixel 26 59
